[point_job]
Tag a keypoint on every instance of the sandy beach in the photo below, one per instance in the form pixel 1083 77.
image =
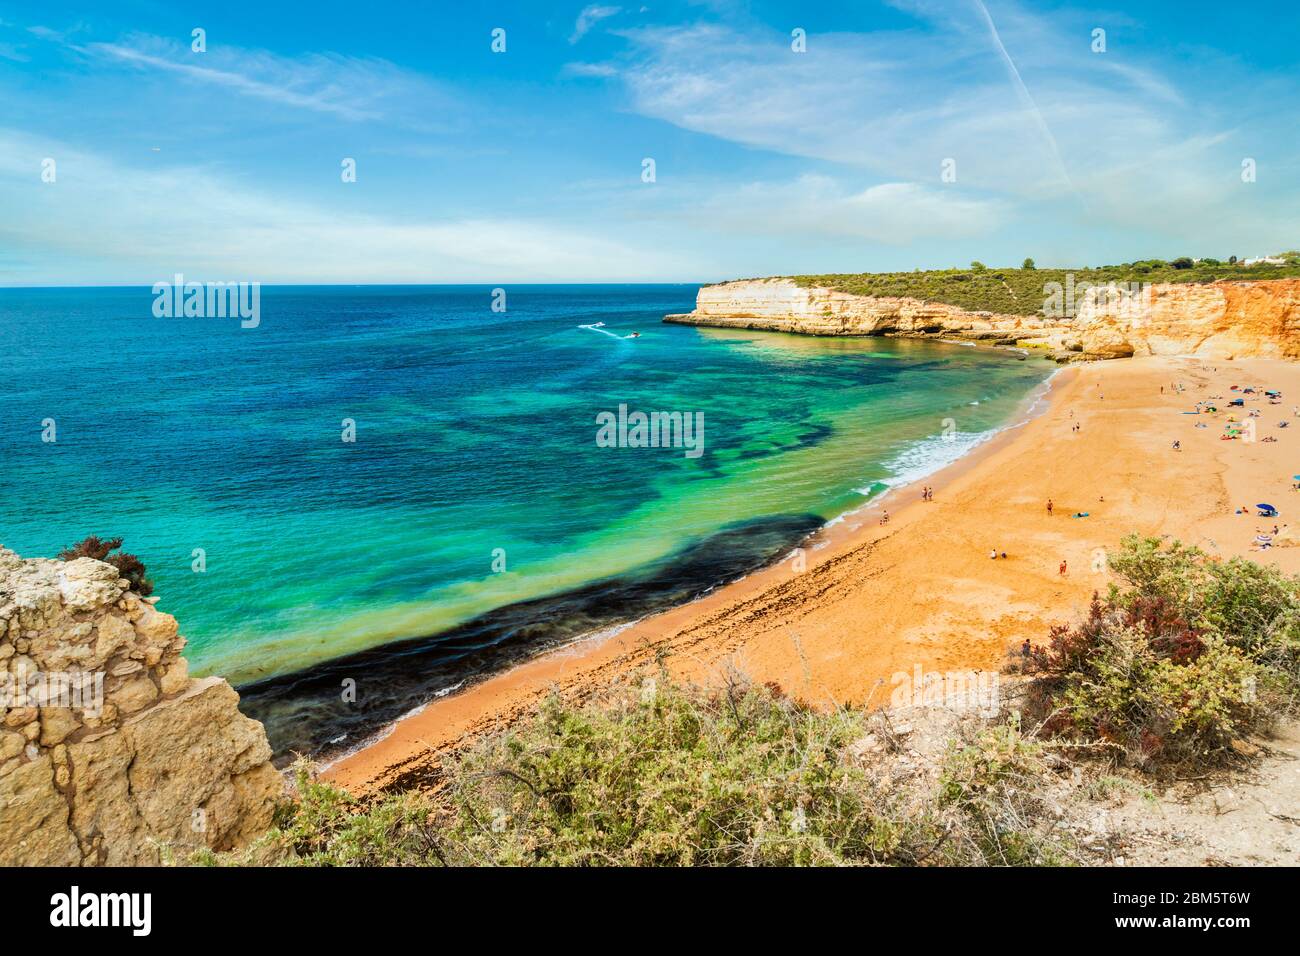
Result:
pixel 874 600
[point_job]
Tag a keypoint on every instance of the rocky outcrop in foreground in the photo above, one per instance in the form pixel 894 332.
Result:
pixel 108 749
pixel 1221 320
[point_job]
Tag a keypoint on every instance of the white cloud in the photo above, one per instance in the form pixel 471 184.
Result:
pixel 1020 103
pixel 103 220
pixel 863 101
pixel 817 207
pixel 591 69
pixel 589 17
pixel 348 87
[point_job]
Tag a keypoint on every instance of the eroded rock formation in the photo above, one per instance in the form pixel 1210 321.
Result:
pixel 108 749
pixel 1221 320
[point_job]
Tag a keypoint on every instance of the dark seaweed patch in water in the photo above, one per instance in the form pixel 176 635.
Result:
pixel 304 712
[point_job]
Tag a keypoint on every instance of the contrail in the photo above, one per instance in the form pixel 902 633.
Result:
pixel 1025 96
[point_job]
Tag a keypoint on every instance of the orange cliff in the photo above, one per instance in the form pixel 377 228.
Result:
pixel 1216 320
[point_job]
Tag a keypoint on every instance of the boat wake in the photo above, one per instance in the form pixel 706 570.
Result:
pixel 600 327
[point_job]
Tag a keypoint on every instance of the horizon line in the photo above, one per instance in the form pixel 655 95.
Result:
pixel 396 285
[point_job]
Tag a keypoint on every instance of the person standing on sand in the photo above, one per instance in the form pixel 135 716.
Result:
pixel 1049 507
pixel 1063 568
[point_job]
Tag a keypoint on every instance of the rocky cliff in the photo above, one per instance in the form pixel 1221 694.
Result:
pixel 108 749
pixel 1219 320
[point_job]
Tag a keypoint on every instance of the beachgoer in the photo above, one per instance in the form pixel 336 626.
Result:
pixel 993 555
pixel 1049 507
pixel 1026 648
pixel 1004 555
pixel 1063 567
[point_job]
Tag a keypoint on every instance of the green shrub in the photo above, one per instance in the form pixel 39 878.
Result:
pixel 1193 655
pixel 1251 607
pixel 682 776
pixel 327 826
pixel 993 781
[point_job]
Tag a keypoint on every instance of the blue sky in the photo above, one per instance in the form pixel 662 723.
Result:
pixel 475 166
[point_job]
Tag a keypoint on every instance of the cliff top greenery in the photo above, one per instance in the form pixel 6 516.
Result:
pixel 1021 291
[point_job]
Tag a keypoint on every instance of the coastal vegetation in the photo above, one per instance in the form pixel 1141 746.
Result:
pixel 678 775
pixel 1012 291
pixel 1178 666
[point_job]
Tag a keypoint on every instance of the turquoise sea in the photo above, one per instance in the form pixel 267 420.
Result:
pixel 475 518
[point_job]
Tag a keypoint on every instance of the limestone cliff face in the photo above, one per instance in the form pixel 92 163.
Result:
pixel 1217 320
pixel 107 747
pixel 1220 320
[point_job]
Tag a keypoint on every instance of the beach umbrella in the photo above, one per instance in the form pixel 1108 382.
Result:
pixel 1266 507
